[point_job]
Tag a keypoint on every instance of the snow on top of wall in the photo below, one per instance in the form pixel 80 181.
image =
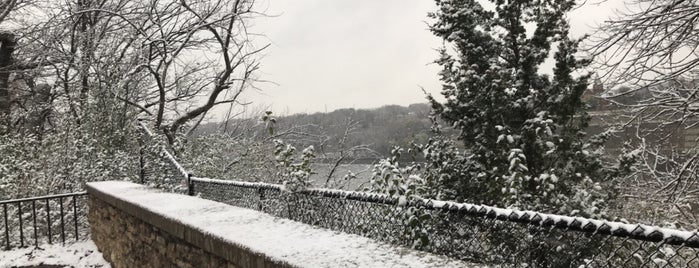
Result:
pixel 279 239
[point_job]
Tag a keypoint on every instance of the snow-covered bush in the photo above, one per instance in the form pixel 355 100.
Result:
pixel 294 173
pixel 403 183
pixel 390 178
pixel 60 162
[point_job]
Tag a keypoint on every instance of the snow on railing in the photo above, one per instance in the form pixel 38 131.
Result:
pixel 164 150
pixel 43 219
pixel 351 195
pixel 620 229
pixel 244 184
pixel 636 231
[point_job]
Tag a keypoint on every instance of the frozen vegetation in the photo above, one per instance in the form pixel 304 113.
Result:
pixel 531 117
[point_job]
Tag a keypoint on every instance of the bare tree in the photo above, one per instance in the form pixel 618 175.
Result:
pixel 6 50
pixel 653 42
pixel 343 153
pixel 172 61
pixel 213 29
pixel 8 40
pixel 652 47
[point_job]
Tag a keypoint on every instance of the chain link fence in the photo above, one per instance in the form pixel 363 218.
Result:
pixel 473 233
pixel 157 166
pixel 468 232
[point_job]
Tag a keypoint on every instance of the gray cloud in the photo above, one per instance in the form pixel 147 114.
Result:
pixel 357 53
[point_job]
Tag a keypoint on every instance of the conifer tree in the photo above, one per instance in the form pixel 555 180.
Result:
pixel 522 129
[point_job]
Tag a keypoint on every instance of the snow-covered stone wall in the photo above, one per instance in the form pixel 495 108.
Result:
pixel 135 226
pixel 127 241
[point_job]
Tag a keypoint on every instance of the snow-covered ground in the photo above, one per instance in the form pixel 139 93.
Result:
pixel 76 255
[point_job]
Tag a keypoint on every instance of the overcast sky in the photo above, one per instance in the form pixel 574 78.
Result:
pixel 331 54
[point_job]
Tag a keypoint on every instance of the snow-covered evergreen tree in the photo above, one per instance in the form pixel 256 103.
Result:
pixel 522 130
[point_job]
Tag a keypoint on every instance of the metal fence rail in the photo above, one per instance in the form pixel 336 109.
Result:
pixel 469 232
pixel 44 219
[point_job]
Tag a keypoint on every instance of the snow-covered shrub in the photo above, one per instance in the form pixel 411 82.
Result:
pixel 390 178
pixel 294 173
pixel 60 162
pixel 403 183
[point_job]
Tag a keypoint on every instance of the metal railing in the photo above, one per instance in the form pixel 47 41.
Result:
pixel 44 219
pixel 474 233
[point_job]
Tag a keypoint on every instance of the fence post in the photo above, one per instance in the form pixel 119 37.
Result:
pixel 190 185
pixel 141 160
pixel 260 198
pixel 289 205
pixel 141 151
pixel 7 227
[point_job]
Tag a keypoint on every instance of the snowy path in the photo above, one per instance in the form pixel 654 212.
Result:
pixel 76 255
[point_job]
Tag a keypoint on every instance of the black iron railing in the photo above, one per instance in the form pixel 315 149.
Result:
pixel 44 219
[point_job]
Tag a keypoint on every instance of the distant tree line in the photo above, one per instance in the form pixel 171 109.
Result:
pixel 379 130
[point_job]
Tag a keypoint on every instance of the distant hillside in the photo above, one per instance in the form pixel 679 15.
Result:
pixel 379 129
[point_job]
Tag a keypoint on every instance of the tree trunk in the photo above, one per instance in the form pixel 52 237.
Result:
pixel 8 46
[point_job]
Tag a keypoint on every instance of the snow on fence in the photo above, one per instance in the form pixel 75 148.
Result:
pixel 158 167
pixel 470 232
pixel 42 220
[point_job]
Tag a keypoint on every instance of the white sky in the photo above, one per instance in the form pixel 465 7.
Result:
pixel 327 55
